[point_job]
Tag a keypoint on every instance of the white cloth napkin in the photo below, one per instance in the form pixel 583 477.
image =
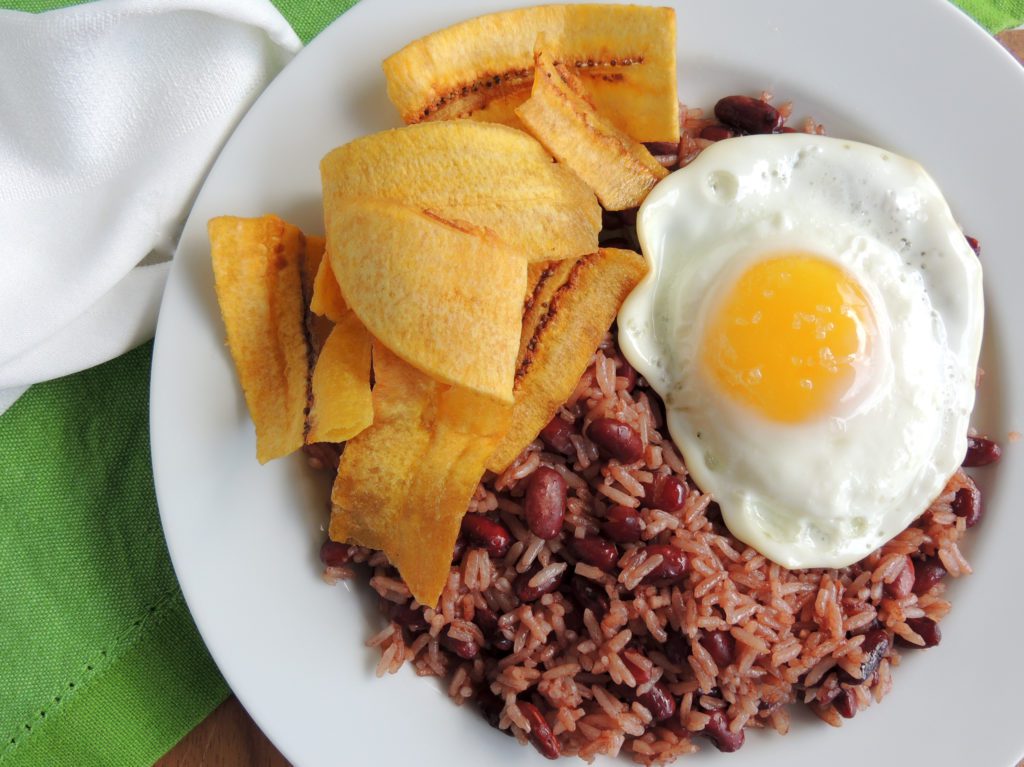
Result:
pixel 111 113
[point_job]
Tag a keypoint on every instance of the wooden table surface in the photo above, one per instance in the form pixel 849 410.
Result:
pixel 229 738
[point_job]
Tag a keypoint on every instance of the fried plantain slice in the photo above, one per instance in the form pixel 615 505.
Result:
pixel 404 483
pixel 489 175
pixel 445 296
pixel 317 327
pixel 326 300
pixel 257 269
pixel 563 340
pixel 483 68
pixel 560 116
pixel 341 405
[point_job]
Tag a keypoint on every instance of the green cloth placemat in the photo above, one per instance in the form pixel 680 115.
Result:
pixel 100 663
pixel 994 15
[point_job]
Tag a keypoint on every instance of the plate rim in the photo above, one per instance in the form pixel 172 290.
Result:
pixel 352 17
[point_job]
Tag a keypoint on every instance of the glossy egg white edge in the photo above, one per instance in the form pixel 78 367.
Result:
pixel 823 493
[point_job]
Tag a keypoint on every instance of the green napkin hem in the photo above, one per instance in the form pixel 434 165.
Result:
pixel 133 703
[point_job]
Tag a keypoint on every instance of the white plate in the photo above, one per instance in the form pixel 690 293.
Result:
pixel 915 76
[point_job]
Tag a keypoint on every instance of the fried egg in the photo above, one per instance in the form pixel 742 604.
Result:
pixel 812 319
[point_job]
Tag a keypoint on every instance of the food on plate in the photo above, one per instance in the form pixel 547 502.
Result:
pixel 340 403
pixel 318 327
pixel 812 323
pixel 326 299
pixel 445 296
pixel 412 288
pixel 339 350
pixel 625 56
pixel 569 311
pixel 257 269
pixel 489 175
pixel 404 483
pixel 560 116
pixel 634 537
pixel 644 627
pixel 598 604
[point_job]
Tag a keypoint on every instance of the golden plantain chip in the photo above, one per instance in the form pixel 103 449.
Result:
pixel 558 114
pixel 326 300
pixel 257 269
pixel 483 68
pixel 404 483
pixel 486 174
pixel 563 340
pixel 341 405
pixel 444 296
pixel 317 327
pixel 543 281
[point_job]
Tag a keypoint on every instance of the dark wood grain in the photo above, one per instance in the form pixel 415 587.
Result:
pixel 1013 40
pixel 226 738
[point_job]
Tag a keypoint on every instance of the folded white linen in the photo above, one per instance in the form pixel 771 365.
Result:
pixel 110 116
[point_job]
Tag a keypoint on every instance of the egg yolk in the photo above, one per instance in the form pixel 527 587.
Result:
pixel 790 338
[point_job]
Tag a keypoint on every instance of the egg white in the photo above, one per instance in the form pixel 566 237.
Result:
pixel 825 492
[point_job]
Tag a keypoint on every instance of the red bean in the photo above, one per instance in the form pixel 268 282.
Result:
pixel 464 648
pixel 545 503
pixel 721 646
pixel 485 618
pixel 409 618
pixel 903 584
pixel 846 704
pixel 527 593
pixel 967 503
pixel 929 573
pixel 717 729
pixel 574 619
pixel 500 644
pixel 749 115
pixel 595 551
pixel 556 435
pixel 491 707
pixel 716 132
pixel 672 567
pixel 975 245
pixel 334 554
pixel 623 525
pixel 659 701
pixel 617 440
pixel 874 647
pixel 540 733
pixel 677 648
pixel 926 628
pixel 590 596
pixel 981 452
pixel 666 493
pixel 484 533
